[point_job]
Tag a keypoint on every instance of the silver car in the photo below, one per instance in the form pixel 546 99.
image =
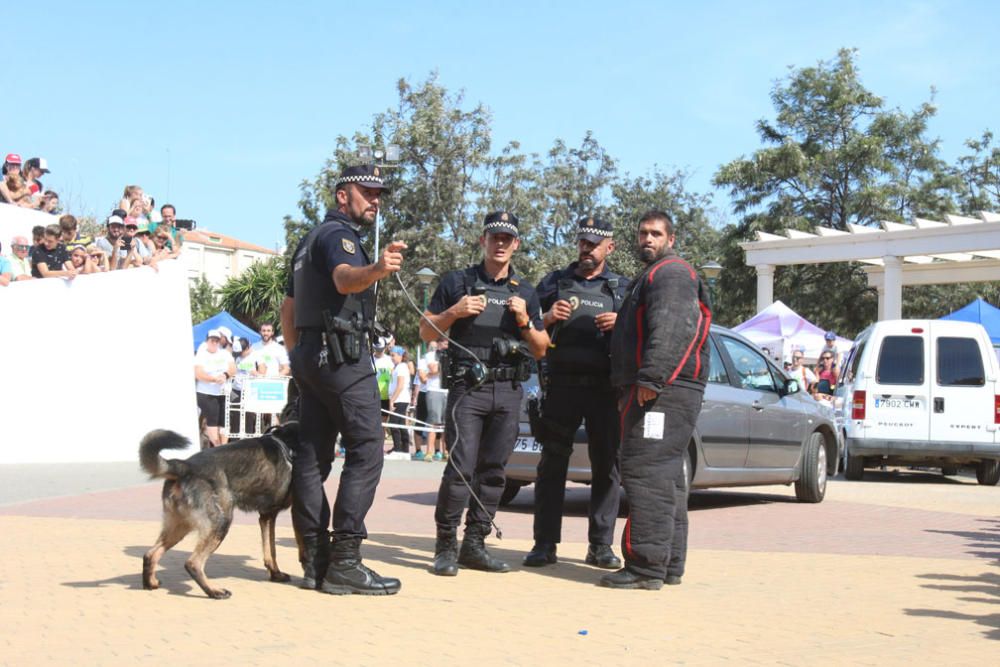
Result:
pixel 757 426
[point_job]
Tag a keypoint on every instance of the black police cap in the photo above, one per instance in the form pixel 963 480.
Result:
pixel 594 230
pixel 500 222
pixel 365 175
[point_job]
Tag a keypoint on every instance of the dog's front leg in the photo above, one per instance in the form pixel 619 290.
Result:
pixel 267 522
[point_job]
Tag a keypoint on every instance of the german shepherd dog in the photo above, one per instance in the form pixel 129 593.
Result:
pixel 201 492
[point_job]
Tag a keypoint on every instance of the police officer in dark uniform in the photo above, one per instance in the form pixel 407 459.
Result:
pixel 580 304
pixel 659 365
pixel 497 319
pixel 327 318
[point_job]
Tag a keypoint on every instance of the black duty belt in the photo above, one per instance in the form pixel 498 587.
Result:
pixel 497 374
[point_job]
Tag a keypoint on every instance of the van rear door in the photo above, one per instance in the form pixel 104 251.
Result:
pixel 899 398
pixel 961 404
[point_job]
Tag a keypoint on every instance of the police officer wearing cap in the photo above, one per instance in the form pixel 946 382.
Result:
pixel 580 304
pixel 327 318
pixel 496 318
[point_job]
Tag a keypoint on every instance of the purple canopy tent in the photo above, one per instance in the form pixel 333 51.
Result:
pixel 781 330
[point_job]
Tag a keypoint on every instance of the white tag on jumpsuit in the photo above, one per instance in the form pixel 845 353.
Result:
pixel 652 426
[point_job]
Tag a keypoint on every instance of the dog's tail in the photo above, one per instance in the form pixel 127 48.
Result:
pixel 149 453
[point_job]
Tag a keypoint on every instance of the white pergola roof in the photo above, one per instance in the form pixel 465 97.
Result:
pixel 958 249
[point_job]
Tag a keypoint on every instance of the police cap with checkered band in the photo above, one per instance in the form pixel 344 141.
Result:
pixel 365 175
pixel 500 222
pixel 594 230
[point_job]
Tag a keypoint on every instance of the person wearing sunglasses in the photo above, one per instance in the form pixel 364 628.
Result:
pixel 20 259
pixel 98 258
pixel 827 369
pixel 801 372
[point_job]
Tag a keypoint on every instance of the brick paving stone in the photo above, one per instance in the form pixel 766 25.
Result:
pixel 900 570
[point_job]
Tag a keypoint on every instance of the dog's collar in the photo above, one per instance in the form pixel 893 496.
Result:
pixel 286 451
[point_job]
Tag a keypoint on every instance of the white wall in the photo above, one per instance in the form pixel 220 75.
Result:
pixel 89 366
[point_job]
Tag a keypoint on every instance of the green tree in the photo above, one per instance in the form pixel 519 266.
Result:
pixel 832 156
pixel 254 297
pixel 697 238
pixel 204 300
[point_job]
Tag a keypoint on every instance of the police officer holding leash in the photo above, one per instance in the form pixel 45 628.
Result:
pixel 659 366
pixel 580 304
pixel 327 318
pixel 497 319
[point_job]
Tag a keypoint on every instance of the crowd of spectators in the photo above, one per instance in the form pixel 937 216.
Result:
pixel 135 234
pixel 223 361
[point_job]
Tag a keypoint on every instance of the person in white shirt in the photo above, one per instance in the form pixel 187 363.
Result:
pixel 801 372
pixel 271 354
pixel 213 366
pixel 436 399
pixel 247 366
pixel 399 399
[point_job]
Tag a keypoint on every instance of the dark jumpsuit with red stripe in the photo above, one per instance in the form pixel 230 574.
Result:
pixel 658 343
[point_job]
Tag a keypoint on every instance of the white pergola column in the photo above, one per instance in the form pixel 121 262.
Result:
pixel 891 299
pixel 881 301
pixel 765 286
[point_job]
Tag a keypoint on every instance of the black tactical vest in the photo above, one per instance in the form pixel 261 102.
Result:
pixel 496 320
pixel 579 345
pixel 315 291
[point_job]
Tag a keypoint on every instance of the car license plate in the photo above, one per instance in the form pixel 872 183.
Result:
pixel 527 444
pixel 904 403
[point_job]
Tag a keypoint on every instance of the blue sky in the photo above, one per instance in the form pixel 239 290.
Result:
pixel 223 108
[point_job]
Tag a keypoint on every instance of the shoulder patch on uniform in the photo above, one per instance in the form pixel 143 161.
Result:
pixel 349 246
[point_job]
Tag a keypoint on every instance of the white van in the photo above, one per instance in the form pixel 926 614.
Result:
pixel 922 392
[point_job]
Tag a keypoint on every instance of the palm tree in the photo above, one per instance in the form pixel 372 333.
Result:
pixel 254 297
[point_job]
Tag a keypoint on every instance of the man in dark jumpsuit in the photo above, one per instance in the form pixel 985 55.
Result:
pixel 498 319
pixel 326 319
pixel 580 304
pixel 659 366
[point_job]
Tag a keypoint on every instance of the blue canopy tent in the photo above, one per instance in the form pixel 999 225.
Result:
pixel 982 312
pixel 223 319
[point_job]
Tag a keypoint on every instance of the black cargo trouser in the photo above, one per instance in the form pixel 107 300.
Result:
pixel 566 405
pixel 334 399
pixel 654 542
pixel 481 437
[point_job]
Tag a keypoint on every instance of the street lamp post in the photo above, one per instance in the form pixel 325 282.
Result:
pixel 711 271
pixel 386 158
pixel 426 276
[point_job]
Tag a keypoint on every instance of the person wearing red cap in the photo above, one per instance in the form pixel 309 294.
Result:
pixel 12 182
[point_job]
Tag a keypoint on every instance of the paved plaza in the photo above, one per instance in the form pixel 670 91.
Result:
pixel 900 568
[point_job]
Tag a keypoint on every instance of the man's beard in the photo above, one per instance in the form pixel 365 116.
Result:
pixel 587 263
pixel 648 255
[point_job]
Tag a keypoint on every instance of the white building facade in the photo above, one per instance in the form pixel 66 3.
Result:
pixel 219 257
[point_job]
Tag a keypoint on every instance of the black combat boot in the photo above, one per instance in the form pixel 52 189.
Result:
pixel 346 574
pixel 314 554
pixel 474 554
pixel 601 555
pixel 446 553
pixel 543 553
pixel 626 578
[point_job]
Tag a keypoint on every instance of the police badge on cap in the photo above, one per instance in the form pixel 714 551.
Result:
pixel 500 222
pixel 594 230
pixel 365 175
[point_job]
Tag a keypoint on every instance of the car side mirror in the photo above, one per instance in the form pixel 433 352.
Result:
pixel 791 387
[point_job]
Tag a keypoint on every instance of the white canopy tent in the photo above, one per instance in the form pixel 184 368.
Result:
pixel 781 330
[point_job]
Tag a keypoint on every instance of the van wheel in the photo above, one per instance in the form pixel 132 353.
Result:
pixel 988 472
pixel 510 491
pixel 855 469
pixel 949 471
pixel 811 485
